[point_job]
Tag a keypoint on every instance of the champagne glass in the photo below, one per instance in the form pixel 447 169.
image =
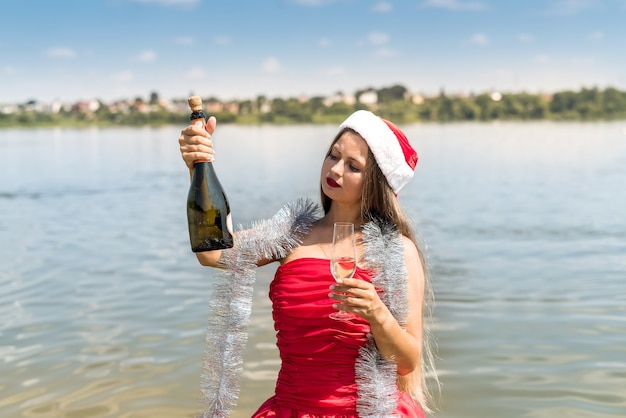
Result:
pixel 343 259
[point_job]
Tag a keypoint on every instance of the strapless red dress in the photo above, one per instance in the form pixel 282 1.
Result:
pixel 317 378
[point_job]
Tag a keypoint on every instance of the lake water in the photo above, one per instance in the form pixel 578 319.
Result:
pixel 103 307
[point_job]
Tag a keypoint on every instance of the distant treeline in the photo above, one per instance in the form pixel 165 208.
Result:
pixel 394 103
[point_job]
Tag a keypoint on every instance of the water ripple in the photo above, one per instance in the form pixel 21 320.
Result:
pixel 103 307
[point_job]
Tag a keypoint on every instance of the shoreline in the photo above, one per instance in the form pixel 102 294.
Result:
pixel 329 121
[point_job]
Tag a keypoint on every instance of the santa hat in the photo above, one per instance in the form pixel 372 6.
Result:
pixel 391 148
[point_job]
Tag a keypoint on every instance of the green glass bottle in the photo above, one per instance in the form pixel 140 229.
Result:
pixel 208 211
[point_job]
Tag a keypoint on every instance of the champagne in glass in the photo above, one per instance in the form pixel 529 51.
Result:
pixel 343 259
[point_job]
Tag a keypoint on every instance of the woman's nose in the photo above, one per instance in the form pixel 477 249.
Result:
pixel 337 168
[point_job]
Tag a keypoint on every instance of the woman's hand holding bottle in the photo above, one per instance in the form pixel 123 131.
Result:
pixel 196 144
pixel 208 211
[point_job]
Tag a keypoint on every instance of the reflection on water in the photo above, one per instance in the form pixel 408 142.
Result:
pixel 103 307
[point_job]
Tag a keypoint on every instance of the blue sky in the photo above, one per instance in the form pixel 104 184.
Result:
pixel 233 49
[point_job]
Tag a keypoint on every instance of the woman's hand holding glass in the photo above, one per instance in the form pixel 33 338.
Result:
pixel 361 298
pixel 343 259
pixel 355 295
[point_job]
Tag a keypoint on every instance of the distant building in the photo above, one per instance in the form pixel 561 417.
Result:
pixel 339 98
pixel 213 106
pixel 266 107
pixel 86 106
pixel 496 96
pixel 369 97
pixel 231 107
pixel 8 109
pixel 417 99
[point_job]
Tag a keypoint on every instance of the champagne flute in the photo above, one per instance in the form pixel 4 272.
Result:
pixel 343 259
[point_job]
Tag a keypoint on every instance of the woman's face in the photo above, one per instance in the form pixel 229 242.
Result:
pixel 343 171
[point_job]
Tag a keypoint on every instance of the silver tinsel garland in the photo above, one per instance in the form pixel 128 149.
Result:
pixel 375 375
pixel 227 330
pixel 231 303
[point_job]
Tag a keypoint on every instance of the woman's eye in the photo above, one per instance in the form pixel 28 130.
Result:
pixel 354 169
pixel 333 157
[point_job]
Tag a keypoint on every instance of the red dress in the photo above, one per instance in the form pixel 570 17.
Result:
pixel 317 378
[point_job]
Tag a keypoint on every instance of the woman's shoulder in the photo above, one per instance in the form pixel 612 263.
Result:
pixel 409 246
pixel 413 259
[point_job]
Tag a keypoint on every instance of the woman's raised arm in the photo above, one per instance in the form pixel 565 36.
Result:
pixel 196 145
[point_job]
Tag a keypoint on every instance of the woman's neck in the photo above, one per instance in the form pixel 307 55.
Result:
pixel 343 213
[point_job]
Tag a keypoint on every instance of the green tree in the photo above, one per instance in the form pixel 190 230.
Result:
pixel 245 107
pixel 391 94
pixel 445 108
pixel 317 104
pixel 563 105
pixel 613 103
pixel 466 109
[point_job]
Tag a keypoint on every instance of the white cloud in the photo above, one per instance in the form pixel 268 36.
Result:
pixel 378 38
pixel 582 60
pixel 60 52
pixel 570 7
pixel 479 39
pixel 386 52
pixel 596 36
pixel 526 38
pixel 308 2
pixel 222 40
pixel 499 77
pixel 123 76
pixel 455 5
pixel 195 73
pixel 184 40
pixel 324 42
pixel 335 71
pixel 146 56
pixel 8 70
pixel 313 3
pixel 382 7
pixel 169 2
pixel 270 65
pixel 542 58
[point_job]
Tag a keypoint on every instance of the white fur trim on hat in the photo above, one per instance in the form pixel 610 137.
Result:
pixel 384 145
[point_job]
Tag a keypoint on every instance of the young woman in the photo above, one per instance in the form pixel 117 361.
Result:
pixel 372 365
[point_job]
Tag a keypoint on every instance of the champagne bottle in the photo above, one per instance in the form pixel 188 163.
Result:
pixel 208 211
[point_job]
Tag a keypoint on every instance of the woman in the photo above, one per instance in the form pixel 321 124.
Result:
pixel 373 365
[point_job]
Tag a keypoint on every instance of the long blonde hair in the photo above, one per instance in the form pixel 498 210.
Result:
pixel 379 201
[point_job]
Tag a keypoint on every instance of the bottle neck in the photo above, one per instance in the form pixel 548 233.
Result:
pixel 198 116
pixel 203 169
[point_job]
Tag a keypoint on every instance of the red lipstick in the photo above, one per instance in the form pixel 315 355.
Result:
pixel 332 183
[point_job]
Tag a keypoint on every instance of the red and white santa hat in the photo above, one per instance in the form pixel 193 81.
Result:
pixel 391 148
